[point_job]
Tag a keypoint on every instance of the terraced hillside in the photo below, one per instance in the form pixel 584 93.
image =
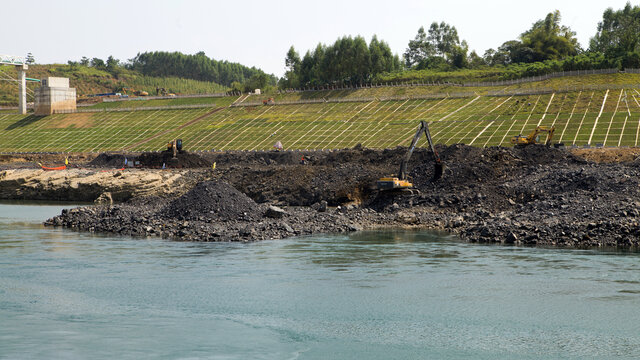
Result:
pixel 89 80
pixel 600 115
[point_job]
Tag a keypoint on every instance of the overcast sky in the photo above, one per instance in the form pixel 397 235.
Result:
pixel 259 33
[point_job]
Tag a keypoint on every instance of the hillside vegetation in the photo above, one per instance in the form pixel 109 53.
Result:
pixel 90 80
pixel 438 54
pixel 606 115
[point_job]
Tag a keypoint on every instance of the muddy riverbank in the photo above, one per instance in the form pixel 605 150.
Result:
pixel 534 195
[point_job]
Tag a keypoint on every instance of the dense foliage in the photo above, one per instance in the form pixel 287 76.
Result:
pixel 196 67
pixel 618 35
pixel 546 40
pixel 436 48
pixel 348 61
pixel 587 61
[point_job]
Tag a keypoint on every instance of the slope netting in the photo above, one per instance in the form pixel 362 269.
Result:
pixel 595 117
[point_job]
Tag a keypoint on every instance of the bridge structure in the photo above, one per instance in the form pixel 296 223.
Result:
pixel 21 64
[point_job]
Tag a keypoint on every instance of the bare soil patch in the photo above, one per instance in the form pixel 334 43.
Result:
pixel 77 120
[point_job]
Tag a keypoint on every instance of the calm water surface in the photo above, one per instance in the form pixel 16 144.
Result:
pixel 400 295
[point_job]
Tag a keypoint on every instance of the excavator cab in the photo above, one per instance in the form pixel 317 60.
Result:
pixel 400 182
pixel 175 147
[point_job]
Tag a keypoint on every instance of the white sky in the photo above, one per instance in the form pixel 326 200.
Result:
pixel 259 33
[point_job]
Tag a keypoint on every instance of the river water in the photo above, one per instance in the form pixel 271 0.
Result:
pixel 371 295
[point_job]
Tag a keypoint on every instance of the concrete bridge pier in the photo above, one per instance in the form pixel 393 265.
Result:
pixel 22 88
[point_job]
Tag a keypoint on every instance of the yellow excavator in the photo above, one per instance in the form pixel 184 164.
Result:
pixel 132 91
pixel 534 136
pixel 175 147
pixel 400 182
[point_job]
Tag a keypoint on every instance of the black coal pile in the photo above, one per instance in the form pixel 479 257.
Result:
pixel 213 200
pixel 108 160
pixel 183 159
pixel 156 160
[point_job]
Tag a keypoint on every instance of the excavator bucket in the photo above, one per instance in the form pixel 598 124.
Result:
pixel 438 170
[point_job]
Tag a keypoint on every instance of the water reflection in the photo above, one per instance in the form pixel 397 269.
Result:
pixel 378 249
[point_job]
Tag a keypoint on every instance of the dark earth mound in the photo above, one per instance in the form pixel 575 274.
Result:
pixel 213 200
pixel 183 159
pixel 109 160
pixel 530 195
pixel 161 159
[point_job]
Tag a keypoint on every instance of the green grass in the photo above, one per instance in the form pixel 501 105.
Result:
pixel 580 117
pixel 142 102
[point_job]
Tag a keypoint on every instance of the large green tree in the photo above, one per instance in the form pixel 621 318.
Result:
pixel 549 40
pixel 438 46
pixel 348 61
pixel 618 32
pixel 419 49
pixel 292 64
pixel 546 40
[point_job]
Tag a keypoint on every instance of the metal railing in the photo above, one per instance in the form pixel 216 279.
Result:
pixel 540 91
pixel 330 87
pixel 12 60
pixel 216 95
pixel 541 77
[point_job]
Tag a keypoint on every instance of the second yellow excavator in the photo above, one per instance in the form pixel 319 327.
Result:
pixel 401 182
pixel 534 136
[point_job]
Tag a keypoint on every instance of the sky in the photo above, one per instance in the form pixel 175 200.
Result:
pixel 259 33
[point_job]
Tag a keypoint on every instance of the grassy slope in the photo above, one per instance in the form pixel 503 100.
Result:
pixel 88 80
pixel 610 117
pixel 141 102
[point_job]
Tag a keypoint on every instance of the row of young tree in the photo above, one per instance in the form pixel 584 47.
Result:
pixel 547 43
pixel 348 61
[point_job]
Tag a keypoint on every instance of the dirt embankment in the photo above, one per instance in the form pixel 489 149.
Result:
pixel 534 195
pixel 608 155
pixel 87 185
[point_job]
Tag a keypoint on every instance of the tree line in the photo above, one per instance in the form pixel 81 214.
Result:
pixel 348 61
pixel 176 64
pixel 547 46
pixel 197 67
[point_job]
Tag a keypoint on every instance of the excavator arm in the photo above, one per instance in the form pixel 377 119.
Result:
pixel 423 128
pixel 532 138
pixel 400 182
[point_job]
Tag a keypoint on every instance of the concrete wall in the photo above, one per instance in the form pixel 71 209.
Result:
pixel 55 82
pixel 49 99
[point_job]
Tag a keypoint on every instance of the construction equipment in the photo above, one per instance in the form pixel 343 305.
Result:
pixel 400 182
pixel 174 146
pixel 134 92
pixel 534 136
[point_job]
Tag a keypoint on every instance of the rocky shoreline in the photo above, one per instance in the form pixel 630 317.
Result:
pixel 530 196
